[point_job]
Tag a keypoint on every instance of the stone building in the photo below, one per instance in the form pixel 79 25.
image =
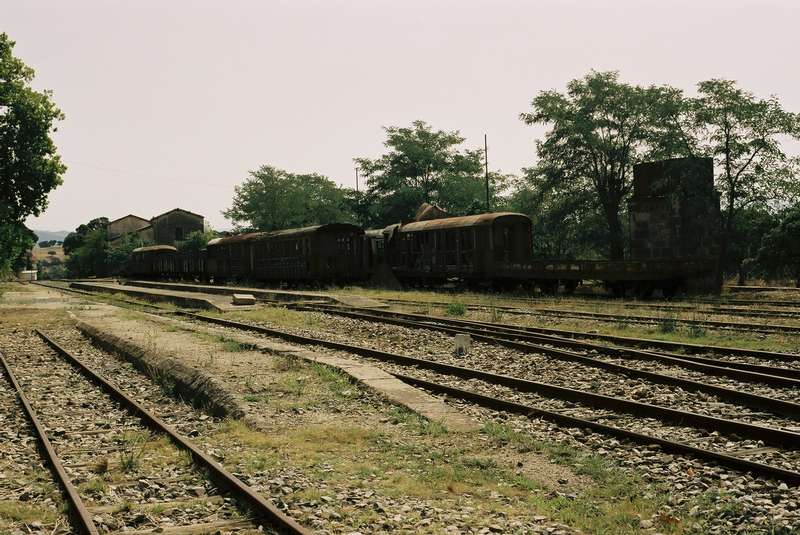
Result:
pixel 163 229
pixel 675 210
pixel 175 225
pixel 128 224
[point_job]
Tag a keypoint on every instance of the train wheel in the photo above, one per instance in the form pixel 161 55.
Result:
pixel 548 287
pixel 570 287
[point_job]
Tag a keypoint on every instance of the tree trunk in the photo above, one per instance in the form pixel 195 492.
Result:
pixel 742 275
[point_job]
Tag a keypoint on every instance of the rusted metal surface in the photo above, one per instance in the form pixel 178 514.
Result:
pixel 287 233
pixel 81 513
pixel 262 507
pixel 462 221
pixel 154 248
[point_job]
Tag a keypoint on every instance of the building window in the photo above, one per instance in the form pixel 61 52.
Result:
pixel 178 233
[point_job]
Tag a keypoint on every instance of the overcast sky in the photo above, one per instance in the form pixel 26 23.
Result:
pixel 169 104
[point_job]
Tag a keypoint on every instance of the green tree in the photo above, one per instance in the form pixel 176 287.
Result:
pixel 780 249
pixel 91 256
pixel 118 256
pixel 30 166
pixel 195 241
pixel 16 240
pixel 74 240
pixel 749 229
pixel 271 198
pixel 425 165
pixel 743 134
pixel 599 129
pixel 565 225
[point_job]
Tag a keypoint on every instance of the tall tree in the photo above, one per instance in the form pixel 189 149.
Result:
pixel 780 249
pixel 599 129
pixel 425 165
pixel 29 165
pixel 273 199
pixel 73 240
pixel 743 134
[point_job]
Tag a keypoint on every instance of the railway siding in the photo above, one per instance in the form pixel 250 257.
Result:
pixel 136 346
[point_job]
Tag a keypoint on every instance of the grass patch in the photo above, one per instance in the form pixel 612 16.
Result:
pixel 336 380
pixel 276 315
pixel 614 504
pixel 667 324
pixel 455 309
pixel 24 512
pixel 96 485
pixel 415 422
pixel 133 446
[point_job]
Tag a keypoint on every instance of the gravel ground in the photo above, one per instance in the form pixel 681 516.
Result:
pixel 110 457
pixel 735 502
pixel 25 482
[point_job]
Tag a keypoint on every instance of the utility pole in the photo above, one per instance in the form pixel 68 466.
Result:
pixel 356 179
pixel 486 169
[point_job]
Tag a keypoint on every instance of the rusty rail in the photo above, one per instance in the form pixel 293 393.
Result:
pixel 494 403
pixel 80 511
pixel 777 406
pixel 262 507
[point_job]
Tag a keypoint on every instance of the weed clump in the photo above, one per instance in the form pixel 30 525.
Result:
pixel 667 325
pixel 456 309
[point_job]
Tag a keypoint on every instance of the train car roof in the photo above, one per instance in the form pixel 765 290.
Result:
pixel 478 220
pixel 149 248
pixel 287 233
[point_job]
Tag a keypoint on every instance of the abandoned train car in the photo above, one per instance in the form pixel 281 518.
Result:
pixel 321 253
pixel 485 247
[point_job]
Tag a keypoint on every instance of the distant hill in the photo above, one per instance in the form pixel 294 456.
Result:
pixel 47 235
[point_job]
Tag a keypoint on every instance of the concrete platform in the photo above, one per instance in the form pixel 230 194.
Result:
pixel 260 293
pixel 181 299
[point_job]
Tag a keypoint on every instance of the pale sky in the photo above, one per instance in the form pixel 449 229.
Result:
pixel 169 104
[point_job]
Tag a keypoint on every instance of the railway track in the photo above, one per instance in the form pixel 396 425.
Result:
pixel 512 336
pixel 95 435
pixel 603 407
pixel 698 307
pixel 767 451
pixel 761 328
pixel 649 343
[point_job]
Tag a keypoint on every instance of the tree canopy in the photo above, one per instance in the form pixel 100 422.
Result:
pixel 743 134
pixel 780 250
pixel 271 198
pixel 30 166
pixel 599 128
pixel 424 165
